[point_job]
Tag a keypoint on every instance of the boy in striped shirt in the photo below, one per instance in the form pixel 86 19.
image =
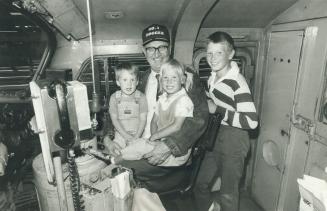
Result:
pixel 229 96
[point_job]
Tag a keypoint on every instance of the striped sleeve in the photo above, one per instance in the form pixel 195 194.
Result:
pixel 245 115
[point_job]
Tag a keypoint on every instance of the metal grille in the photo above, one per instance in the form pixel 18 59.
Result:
pixel 18 75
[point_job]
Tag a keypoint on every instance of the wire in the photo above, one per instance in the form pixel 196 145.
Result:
pixel 74 182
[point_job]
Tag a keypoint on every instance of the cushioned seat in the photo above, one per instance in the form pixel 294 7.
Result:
pixel 183 179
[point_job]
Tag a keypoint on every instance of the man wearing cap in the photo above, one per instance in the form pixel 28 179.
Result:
pixel 156 48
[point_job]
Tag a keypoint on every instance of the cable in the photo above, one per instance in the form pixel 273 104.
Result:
pixel 74 182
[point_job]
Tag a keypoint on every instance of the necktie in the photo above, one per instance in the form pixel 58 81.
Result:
pixel 158 86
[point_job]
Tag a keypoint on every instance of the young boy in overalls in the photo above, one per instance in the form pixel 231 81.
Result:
pixel 173 106
pixel 127 106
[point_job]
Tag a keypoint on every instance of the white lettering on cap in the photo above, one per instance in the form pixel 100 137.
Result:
pixel 154 33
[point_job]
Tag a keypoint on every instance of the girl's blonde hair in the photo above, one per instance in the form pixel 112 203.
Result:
pixel 185 76
pixel 176 66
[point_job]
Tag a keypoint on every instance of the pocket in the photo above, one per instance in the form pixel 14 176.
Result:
pixel 210 134
pixel 235 141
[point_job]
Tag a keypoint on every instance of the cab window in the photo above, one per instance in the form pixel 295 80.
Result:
pixel 104 72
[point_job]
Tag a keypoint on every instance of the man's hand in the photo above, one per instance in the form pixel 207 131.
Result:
pixel 159 154
pixel 112 147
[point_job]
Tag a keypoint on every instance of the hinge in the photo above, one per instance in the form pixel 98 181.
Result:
pixel 304 124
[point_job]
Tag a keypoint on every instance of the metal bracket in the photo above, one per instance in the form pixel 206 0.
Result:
pixel 304 124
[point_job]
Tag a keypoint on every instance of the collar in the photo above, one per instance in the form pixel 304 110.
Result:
pixel 153 73
pixel 174 96
pixel 232 72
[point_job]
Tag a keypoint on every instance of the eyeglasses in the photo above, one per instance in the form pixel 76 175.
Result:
pixel 161 49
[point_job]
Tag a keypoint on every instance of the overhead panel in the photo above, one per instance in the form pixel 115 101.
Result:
pixel 63 14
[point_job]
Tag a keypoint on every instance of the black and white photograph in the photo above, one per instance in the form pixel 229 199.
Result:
pixel 163 105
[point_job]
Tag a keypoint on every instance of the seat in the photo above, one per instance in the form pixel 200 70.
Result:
pixel 183 179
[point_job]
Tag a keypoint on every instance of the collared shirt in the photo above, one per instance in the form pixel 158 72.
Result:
pixel 233 98
pixel 178 104
pixel 151 93
pixel 232 73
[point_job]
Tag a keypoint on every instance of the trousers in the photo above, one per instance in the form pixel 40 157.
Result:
pixel 227 162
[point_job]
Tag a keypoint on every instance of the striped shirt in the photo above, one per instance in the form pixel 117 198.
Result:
pixel 233 98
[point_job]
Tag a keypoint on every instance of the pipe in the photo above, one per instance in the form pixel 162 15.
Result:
pixel 91 42
pixel 95 96
pixel 60 184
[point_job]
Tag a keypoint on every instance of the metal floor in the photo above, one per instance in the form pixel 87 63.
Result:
pixel 176 203
pixel 26 199
pixel 171 203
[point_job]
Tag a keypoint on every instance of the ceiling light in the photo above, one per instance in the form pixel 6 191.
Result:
pixel 239 36
pixel 114 14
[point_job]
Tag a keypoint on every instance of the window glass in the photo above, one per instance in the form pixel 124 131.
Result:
pixel 106 64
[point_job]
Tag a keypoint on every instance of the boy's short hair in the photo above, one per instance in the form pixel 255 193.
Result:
pixel 131 68
pixel 175 65
pixel 219 36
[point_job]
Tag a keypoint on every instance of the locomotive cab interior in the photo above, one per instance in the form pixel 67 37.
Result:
pixel 280 48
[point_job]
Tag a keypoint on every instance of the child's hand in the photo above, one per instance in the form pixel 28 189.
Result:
pixel 159 154
pixel 153 143
pixel 94 123
pixel 153 138
pixel 212 106
pixel 112 147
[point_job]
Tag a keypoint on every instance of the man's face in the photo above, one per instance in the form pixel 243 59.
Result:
pixel 156 53
pixel 219 55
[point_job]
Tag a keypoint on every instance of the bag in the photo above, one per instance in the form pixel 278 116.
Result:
pixel 122 185
pixel 210 134
pixel 145 200
pixel 313 194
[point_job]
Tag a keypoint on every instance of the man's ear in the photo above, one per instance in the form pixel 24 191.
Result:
pixel 231 55
pixel 143 49
pixel 117 82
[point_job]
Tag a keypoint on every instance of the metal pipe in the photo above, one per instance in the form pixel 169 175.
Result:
pixel 95 96
pixel 91 42
pixel 60 184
